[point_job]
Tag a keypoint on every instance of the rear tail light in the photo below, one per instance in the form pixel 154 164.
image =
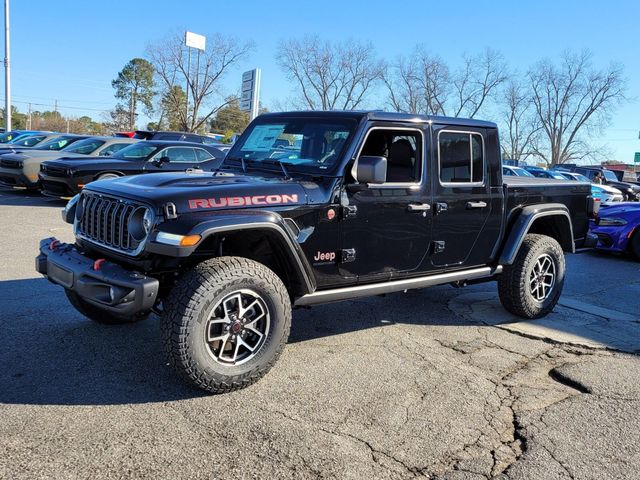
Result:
pixel 593 207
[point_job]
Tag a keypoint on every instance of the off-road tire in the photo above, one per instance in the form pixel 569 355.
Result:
pixel 514 288
pixel 634 244
pixel 99 315
pixel 189 305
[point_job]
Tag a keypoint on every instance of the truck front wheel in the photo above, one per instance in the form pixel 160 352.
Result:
pixel 531 287
pixel 225 323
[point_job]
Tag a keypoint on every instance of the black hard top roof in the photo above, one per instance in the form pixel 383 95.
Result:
pixel 380 115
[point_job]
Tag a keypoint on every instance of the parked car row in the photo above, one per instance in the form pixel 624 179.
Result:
pixel 61 164
pixel 610 190
pixel 617 224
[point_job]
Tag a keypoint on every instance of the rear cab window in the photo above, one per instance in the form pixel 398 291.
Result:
pixel 461 157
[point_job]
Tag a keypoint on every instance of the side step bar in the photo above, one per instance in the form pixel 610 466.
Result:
pixel 347 293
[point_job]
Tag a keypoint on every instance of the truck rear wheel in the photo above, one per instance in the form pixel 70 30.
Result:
pixel 99 315
pixel 531 287
pixel 225 323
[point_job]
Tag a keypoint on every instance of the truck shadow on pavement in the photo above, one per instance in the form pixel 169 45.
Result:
pixel 52 355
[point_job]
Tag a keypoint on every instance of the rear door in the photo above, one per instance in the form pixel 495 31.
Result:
pixel 464 204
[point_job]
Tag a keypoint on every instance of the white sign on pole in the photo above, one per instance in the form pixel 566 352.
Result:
pixel 250 98
pixel 194 40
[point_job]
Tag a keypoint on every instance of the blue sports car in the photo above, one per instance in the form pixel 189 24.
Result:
pixel 618 228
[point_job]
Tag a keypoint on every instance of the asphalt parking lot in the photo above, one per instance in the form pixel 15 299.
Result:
pixel 438 383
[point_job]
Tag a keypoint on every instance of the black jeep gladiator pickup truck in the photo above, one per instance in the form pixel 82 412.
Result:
pixel 309 208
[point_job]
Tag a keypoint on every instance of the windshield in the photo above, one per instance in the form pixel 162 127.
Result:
pixel 57 143
pixel 304 143
pixel 609 175
pixel 27 140
pixel 557 176
pixel 521 172
pixel 8 136
pixel 137 151
pixel 581 178
pixel 86 146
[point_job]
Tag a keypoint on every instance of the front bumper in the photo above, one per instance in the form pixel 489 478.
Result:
pixel 15 177
pixel 60 187
pixel 101 283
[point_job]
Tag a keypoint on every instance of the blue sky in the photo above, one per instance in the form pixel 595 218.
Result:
pixel 71 50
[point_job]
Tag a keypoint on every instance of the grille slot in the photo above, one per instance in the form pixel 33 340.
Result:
pixel 10 163
pixel 105 221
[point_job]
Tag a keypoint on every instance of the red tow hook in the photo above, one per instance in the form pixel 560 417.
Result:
pixel 54 244
pixel 98 263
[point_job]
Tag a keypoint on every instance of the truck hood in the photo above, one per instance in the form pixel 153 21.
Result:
pixel 619 208
pixel 197 192
pixel 79 161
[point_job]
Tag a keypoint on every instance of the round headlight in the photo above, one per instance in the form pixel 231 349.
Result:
pixel 140 223
pixel 71 172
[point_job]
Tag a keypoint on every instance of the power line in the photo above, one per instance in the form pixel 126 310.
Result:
pixel 56 106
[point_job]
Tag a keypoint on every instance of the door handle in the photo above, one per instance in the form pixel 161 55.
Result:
pixel 471 205
pixel 419 207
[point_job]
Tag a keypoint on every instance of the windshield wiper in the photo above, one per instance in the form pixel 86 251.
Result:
pixel 280 163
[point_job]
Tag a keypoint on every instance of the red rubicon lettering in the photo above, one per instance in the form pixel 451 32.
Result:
pixel 242 201
pixel 198 203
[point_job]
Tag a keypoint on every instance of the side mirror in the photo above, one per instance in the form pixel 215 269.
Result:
pixel 161 161
pixel 371 169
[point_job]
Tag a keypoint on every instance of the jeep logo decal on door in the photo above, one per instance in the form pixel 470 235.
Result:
pixel 242 201
pixel 321 257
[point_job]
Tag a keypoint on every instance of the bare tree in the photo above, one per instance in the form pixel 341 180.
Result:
pixel 573 100
pixel 477 81
pixel 418 84
pixel 201 79
pixel 330 76
pixel 520 122
pixel 423 83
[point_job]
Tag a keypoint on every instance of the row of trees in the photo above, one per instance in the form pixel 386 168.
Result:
pixel 550 112
pixel 52 120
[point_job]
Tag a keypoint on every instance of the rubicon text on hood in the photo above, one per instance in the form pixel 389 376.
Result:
pixel 242 201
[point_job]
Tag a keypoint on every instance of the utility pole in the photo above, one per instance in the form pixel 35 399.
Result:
pixel 29 118
pixel 55 106
pixel 7 70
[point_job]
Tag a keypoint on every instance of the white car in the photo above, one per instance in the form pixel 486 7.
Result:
pixel 609 194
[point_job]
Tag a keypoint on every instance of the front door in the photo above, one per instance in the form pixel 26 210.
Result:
pixel 462 196
pixel 386 228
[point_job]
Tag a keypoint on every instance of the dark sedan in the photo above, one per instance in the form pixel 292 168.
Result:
pixel 65 177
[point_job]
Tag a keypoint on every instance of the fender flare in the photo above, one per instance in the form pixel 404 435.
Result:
pixel 234 221
pixel 523 223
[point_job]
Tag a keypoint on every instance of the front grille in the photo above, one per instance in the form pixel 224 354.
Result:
pixel 10 163
pixel 54 171
pixel 105 221
pixel 605 240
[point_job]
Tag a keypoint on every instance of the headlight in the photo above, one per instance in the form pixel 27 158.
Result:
pixel 71 209
pixel 177 240
pixel 71 172
pixel 140 223
pixel 612 222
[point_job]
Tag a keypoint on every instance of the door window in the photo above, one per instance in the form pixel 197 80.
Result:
pixel 401 148
pixel 178 154
pixel 461 156
pixel 202 155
